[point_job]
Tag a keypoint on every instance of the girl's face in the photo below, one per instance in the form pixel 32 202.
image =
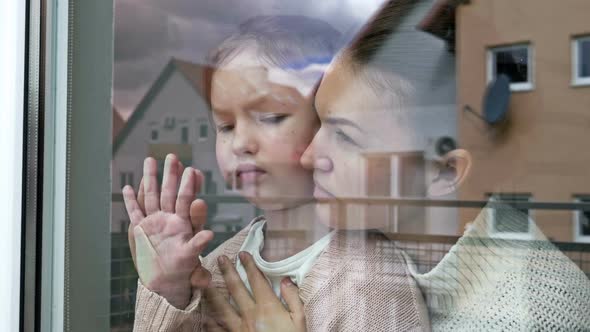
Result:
pixel 262 130
pixel 355 120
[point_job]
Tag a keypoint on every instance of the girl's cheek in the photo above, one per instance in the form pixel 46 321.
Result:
pixel 222 156
pixel 299 150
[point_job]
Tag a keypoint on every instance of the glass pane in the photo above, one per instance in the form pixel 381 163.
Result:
pixel 513 63
pixel 584 58
pixel 332 146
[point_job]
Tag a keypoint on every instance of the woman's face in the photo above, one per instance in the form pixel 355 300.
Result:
pixel 262 130
pixel 356 119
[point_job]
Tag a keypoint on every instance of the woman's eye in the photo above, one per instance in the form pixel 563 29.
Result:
pixel 345 138
pixel 273 119
pixel 224 128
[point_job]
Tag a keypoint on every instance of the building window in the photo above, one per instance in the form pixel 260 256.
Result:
pixel 208 185
pixel 511 221
pixel 169 122
pixel 203 131
pixel 582 222
pixel 184 135
pixel 514 61
pixel 581 61
pixel 154 135
pixel 127 179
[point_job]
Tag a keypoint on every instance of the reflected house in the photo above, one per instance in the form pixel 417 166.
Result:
pixel 118 123
pixel 173 117
pixel 539 151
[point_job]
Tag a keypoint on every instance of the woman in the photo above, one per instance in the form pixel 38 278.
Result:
pixel 483 283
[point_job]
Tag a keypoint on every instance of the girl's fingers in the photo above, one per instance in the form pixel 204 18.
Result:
pixel 200 277
pixel 141 196
pixel 290 293
pixel 135 217
pixel 199 178
pixel 212 325
pixel 222 311
pixel 260 286
pixel 235 286
pixel 169 184
pixel 132 207
pixel 198 214
pixel 150 184
pixel 197 243
pixel 186 194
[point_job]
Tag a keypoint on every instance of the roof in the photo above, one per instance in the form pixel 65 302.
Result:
pixel 440 20
pixel 118 123
pixel 192 72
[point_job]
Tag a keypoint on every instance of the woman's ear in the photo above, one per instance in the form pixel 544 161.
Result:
pixel 453 170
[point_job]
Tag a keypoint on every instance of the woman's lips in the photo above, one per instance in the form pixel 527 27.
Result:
pixel 319 192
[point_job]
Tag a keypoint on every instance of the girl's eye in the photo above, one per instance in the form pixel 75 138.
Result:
pixel 224 128
pixel 274 118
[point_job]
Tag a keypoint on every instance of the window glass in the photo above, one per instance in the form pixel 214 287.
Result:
pixel 511 224
pixel 184 135
pixel 582 222
pixel 337 129
pixel 581 60
pixel 203 131
pixel 584 57
pixel 512 61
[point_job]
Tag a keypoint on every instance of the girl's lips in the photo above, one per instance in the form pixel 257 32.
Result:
pixel 250 177
pixel 249 174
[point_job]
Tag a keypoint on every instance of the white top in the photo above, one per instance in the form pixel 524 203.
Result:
pixel 296 267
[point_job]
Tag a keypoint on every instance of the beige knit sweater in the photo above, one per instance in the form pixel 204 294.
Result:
pixel 361 282
pixel 486 283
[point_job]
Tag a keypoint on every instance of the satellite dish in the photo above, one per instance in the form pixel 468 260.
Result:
pixel 444 145
pixel 496 100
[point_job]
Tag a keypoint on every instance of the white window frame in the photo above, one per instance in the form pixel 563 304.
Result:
pixel 576 79
pixel 12 82
pixel 508 235
pixel 576 221
pixel 81 31
pixel 491 61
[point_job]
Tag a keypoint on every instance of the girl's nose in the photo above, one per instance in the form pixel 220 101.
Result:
pixel 244 141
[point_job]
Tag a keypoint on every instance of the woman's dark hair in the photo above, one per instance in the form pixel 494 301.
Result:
pixel 369 55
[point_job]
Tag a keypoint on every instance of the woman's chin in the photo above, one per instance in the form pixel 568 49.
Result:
pixel 351 218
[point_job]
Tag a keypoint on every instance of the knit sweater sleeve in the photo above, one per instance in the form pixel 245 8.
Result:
pixel 363 285
pixel 154 314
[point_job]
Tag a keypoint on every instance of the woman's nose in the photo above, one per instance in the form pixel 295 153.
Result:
pixel 312 159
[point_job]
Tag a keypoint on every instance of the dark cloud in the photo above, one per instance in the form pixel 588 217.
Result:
pixel 142 31
pixel 149 32
pixel 221 11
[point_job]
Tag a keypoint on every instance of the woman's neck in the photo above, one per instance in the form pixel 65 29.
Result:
pixel 291 230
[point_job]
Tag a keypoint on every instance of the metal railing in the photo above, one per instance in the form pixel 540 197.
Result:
pixel 426 250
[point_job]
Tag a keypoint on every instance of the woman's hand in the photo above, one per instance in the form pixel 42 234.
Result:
pixel 164 244
pixel 262 312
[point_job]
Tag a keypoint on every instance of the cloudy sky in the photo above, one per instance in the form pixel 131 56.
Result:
pixel 149 32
